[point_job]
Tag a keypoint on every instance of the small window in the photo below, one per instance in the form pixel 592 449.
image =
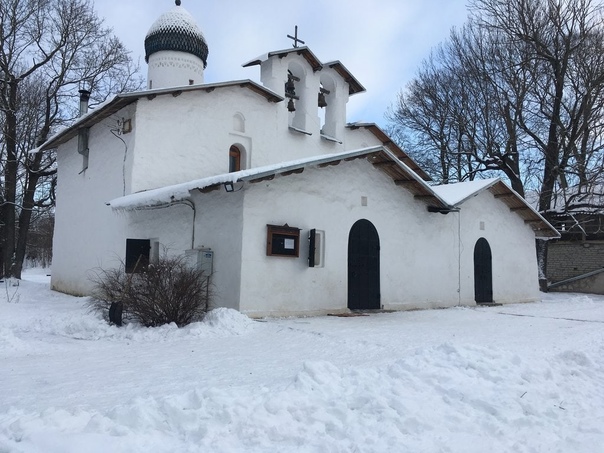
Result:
pixel 283 241
pixel 137 255
pixel 234 159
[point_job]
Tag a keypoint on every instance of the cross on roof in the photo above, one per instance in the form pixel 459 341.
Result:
pixel 295 38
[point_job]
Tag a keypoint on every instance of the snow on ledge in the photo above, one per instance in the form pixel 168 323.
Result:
pixel 179 192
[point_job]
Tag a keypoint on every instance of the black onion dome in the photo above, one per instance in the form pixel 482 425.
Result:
pixel 176 30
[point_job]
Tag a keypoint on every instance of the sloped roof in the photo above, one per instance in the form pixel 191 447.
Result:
pixel 387 141
pixel 457 194
pixel 354 86
pixel 120 101
pixel 312 59
pixel 381 158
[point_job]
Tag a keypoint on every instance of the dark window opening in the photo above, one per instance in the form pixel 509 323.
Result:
pixel 234 159
pixel 137 255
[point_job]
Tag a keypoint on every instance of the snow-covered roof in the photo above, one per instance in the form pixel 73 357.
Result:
pixel 312 59
pixel 380 156
pixel 354 86
pixel 457 193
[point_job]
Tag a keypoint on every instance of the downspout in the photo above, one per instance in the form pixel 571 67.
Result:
pixel 191 204
pixel 459 258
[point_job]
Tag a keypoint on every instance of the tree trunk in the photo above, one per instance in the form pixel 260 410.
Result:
pixel 10 182
pixel 26 213
pixel 551 169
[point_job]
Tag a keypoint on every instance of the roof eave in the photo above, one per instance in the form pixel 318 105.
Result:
pixel 542 228
pixel 376 155
pixel 312 59
pixel 122 100
pixel 354 86
pixel 388 142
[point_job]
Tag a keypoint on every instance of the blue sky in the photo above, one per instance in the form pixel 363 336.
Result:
pixel 382 42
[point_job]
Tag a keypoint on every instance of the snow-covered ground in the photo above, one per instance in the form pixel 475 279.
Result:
pixel 519 378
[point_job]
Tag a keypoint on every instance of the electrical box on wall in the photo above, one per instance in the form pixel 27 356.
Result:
pixel 202 259
pixel 206 261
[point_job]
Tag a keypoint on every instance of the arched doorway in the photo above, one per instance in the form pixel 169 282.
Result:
pixel 363 267
pixel 483 272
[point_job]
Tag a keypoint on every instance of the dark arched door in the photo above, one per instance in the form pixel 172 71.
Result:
pixel 483 272
pixel 363 267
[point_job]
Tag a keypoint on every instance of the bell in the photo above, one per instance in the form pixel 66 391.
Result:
pixel 290 88
pixel 322 101
pixel 290 106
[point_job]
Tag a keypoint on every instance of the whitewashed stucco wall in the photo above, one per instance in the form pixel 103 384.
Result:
pixel 220 227
pixel 218 224
pixel 173 139
pixel 416 247
pixel 87 234
pixel 188 137
pixel 512 242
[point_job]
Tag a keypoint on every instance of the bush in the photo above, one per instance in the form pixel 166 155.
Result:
pixel 166 292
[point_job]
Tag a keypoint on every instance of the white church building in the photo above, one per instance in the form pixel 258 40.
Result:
pixel 290 208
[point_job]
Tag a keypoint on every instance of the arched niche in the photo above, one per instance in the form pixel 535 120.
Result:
pixel 238 123
pixel 297 118
pixel 328 114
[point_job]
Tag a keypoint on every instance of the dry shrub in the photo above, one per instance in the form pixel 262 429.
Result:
pixel 166 292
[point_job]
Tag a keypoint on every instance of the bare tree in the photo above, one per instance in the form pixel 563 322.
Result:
pixel 50 48
pixel 519 91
